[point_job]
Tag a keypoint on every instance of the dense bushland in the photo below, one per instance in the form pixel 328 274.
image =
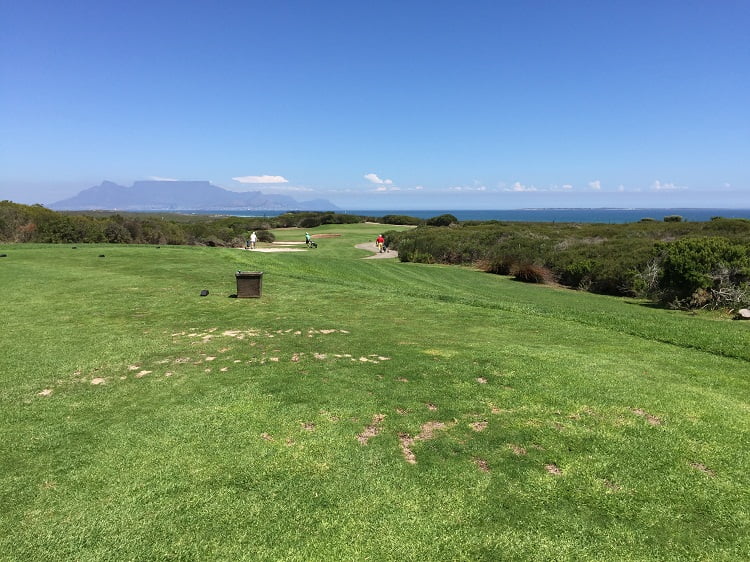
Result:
pixel 702 264
pixel 35 223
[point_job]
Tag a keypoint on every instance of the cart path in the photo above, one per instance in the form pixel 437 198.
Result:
pixel 372 247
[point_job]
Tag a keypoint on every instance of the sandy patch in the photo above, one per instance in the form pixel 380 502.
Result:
pixel 371 430
pixel 553 469
pixel 517 449
pixel 427 432
pixel 703 468
pixel 482 465
pixel 479 426
pixel 45 392
pixel 653 420
pixel 377 254
pixel 97 380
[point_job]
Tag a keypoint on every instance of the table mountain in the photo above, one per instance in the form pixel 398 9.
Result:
pixel 181 195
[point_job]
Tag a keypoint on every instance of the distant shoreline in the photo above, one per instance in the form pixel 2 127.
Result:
pixel 582 215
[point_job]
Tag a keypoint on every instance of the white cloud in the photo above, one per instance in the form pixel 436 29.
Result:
pixel 518 186
pixel 567 186
pixel 669 186
pixel 158 178
pixel 419 188
pixel 596 184
pixel 376 180
pixel 620 188
pixel 467 188
pixel 287 188
pixel 381 188
pixel 261 179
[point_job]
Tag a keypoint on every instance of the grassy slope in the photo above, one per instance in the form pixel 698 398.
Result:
pixel 245 445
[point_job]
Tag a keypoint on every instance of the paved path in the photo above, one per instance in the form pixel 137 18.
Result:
pixel 372 247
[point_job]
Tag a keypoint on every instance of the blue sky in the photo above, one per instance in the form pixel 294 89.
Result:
pixel 382 105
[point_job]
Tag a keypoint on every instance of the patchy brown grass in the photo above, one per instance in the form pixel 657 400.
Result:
pixel 479 426
pixel 653 420
pixel 703 468
pixel 517 449
pixel 371 430
pixel 427 432
pixel 482 465
pixel 553 469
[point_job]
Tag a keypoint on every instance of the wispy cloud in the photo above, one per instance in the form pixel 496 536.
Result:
pixel 596 185
pixel 159 178
pixel 373 178
pixel 468 188
pixel 668 186
pixel 261 179
pixel 518 186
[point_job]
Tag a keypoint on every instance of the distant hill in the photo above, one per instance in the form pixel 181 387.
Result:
pixel 181 195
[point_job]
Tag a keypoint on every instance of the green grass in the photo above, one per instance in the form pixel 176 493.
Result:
pixel 241 442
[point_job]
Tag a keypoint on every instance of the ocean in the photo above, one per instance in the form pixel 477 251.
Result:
pixel 533 215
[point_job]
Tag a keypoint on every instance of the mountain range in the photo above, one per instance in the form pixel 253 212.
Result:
pixel 182 195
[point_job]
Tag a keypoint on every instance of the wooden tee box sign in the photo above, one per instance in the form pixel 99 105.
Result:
pixel 249 284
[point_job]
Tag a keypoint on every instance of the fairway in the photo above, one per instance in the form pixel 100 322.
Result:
pixel 361 409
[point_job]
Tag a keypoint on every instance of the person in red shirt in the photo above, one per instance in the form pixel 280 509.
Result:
pixel 380 242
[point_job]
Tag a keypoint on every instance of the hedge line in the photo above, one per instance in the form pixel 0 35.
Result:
pixel 666 261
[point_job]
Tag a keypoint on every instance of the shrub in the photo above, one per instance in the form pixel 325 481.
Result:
pixel 310 222
pixel 691 264
pixel 673 218
pixel 532 273
pixel 116 233
pixel 442 220
pixel 265 236
pixel 399 219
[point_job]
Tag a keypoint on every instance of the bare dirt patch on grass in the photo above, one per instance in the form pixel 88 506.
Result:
pixel 653 420
pixel 703 468
pixel 517 449
pixel 482 465
pixel 479 426
pixel 371 430
pixel 611 486
pixel 553 469
pixel 426 433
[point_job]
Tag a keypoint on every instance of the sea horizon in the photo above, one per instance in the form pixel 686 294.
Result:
pixel 542 214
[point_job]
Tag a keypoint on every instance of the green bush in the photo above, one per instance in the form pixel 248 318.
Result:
pixel 442 220
pixel 692 264
pixel 398 219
